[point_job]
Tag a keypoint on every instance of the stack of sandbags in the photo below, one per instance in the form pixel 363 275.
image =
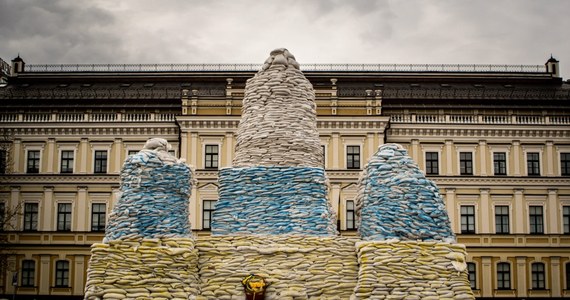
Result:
pixel 412 270
pixel 396 200
pixel 277 184
pixel 296 267
pixel 155 189
pixel 143 269
pixel 273 200
pixel 278 125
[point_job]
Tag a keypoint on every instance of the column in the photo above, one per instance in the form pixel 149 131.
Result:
pixel 81 210
pixel 115 196
pixel 335 199
pixel 229 148
pixel 416 151
pixel 50 147
pixel 83 150
pixel 449 157
pixel 486 270
pixel 44 277
pixel 14 201
pixel 519 215
pixel 195 215
pixel 485 218
pixel 48 214
pixel 183 146
pixel 370 141
pixel 336 151
pixel 483 157
pixel 16 156
pixel 549 156
pixel 517 158
pixel 194 149
pixel 79 277
pixel 555 287
pixel 552 214
pixel 117 161
pixel 521 276
pixel 450 206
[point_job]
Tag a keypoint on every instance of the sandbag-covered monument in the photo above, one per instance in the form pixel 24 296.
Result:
pixel 273 220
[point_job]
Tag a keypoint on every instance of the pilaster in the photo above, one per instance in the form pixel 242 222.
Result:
pixel 78 273
pixel 229 148
pixel 14 201
pixel 194 149
pixel 486 282
pixel 549 158
pixel 483 157
pixel 521 276
pixel 44 272
pixel 485 213
pixel 555 271
pixel 117 161
pixel 519 211
pixel 84 157
pixel 336 151
pixel 517 158
pixel 16 156
pixel 81 208
pixel 449 158
pixel 50 149
pixel 48 214
pixel 553 214
pixel 450 206
pixel 334 200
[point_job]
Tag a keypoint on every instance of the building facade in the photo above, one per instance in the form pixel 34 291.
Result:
pixel 495 139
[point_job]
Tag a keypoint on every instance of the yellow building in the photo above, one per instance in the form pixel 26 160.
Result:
pixel 496 140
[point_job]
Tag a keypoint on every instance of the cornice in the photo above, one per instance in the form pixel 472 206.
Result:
pixel 52 179
pixel 110 130
pixel 477 133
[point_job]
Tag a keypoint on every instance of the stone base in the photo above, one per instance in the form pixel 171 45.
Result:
pixel 412 270
pixel 143 269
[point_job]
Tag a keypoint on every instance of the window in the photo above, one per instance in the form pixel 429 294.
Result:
pixel 432 163
pixel 503 276
pixel 533 164
pixel 472 275
pixel 538 276
pixel 62 273
pixel 568 275
pixel 30 216
pixel 66 161
pixel 566 219
pixel 565 164
pixel 207 211
pixel 64 217
pixel 98 216
pixel 467 219
pixel 33 165
pixel 536 219
pixel 466 163
pixel 211 157
pixel 28 273
pixel 100 161
pixel 353 157
pixel 501 219
pixel 350 215
pixel 3 161
pixel 2 215
pixel 500 163
pixel 132 152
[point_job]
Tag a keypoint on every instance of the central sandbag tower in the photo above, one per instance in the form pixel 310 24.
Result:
pixel 277 184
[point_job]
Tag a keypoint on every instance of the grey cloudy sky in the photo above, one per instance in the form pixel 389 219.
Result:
pixel 315 31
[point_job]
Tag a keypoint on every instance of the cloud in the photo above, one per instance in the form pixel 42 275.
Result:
pixel 321 31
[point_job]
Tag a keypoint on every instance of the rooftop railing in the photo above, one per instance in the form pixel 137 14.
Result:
pixel 481 68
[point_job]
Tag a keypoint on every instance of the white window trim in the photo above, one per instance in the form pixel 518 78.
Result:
pixel 206 192
pixel 546 272
pixel 56 210
pixel 510 208
pixel 353 141
pixel 100 147
pixel 432 148
pixel 468 201
pixel 33 147
pixel 39 203
pixel 500 149
pixel 466 148
pixel 540 149
pixel 559 150
pixel 536 202
pixel 62 148
pixel 213 140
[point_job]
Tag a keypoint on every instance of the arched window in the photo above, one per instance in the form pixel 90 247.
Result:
pixel 503 276
pixel 538 276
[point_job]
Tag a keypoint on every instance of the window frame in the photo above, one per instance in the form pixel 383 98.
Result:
pixel 3 161
pixel 64 215
pixel 2 215
pixel 211 159
pixel 350 212
pixel 429 168
pixel 208 211
pixel 504 277
pixel 466 163
pixel 467 219
pixel 96 219
pixel 353 160
pixel 533 165
pixel 62 271
pixel 500 219
pixel 472 275
pixel 66 164
pixel 33 164
pixel 533 217
pixel 100 164
pixel 565 219
pixel 28 274
pixel 564 163
pixel 538 277
pixel 500 164
pixel 30 224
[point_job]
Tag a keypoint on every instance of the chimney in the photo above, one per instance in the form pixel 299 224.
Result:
pixel 17 65
pixel 552 67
